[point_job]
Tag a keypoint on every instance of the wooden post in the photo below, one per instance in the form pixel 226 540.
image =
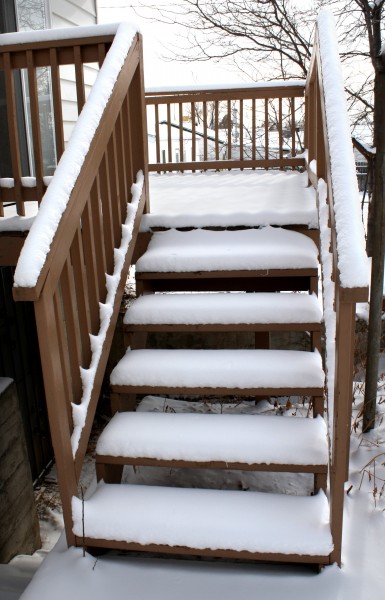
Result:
pixel 345 332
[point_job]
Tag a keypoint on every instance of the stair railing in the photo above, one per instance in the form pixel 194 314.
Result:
pixel 331 171
pixel 75 260
pixel 226 127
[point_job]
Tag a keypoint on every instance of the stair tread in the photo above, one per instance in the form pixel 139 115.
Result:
pixel 193 437
pixel 250 249
pixel 230 198
pixel 213 519
pixel 240 369
pixel 223 308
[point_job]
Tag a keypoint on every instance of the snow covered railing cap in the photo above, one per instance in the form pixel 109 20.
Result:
pixel 56 199
pixel 352 260
pixel 56 35
pixel 234 87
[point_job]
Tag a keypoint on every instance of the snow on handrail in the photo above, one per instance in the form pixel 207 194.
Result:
pixel 300 83
pixel 59 34
pixel 37 245
pixel 352 259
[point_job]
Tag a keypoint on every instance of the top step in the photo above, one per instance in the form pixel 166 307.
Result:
pixel 200 250
pixel 231 198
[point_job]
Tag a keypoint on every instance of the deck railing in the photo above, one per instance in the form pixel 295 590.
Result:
pixel 331 170
pixel 76 257
pixel 38 64
pixel 250 126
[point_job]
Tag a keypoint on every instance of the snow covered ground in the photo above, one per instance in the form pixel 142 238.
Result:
pixel 65 573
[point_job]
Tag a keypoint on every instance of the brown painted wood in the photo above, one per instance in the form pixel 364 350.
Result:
pixel 82 300
pixel 183 464
pixel 81 191
pixel 57 103
pixel 229 164
pixel 55 387
pixel 79 78
pixel 182 550
pixel 212 327
pixel 217 391
pixel 11 244
pixel 235 93
pixel 13 134
pixel 91 269
pixel 223 284
pixel 35 124
pixel 231 274
pixel 72 329
pixel 266 129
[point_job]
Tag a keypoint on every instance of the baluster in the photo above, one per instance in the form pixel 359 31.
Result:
pixel 204 130
pixel 64 351
pixel 229 129
pixel 266 129
pixel 157 135
pixel 70 310
pixel 193 147
pixel 280 130
pixel 97 228
pixel 13 134
pixel 35 122
pixel 57 103
pixel 241 130
pixel 115 201
pixel 253 131
pixel 128 142
pixel 216 130
pixel 181 158
pixel 81 292
pixel 169 139
pixel 105 196
pixel 124 192
pixel 90 259
pixel 79 78
pixel 293 132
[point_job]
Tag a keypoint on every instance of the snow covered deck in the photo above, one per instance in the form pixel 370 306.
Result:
pixel 230 199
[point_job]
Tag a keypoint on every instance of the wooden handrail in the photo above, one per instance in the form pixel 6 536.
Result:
pixel 331 170
pixel 77 284
pixel 247 117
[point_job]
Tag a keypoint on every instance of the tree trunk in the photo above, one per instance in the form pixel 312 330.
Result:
pixel 378 247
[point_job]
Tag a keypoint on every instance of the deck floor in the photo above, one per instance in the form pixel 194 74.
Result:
pixel 230 199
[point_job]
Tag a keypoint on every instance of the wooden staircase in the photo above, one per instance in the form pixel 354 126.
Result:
pixel 250 273
pixel 235 524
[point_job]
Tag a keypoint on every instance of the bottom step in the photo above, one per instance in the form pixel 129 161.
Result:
pixel 214 522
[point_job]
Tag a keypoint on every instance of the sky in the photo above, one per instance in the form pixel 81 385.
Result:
pixel 157 70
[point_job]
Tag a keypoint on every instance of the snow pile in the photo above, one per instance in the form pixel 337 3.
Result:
pixel 55 201
pixel 79 411
pixel 352 259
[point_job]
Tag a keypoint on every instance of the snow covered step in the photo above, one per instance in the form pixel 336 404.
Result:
pixel 207 522
pixel 247 372
pixel 156 312
pixel 215 441
pixel 199 250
